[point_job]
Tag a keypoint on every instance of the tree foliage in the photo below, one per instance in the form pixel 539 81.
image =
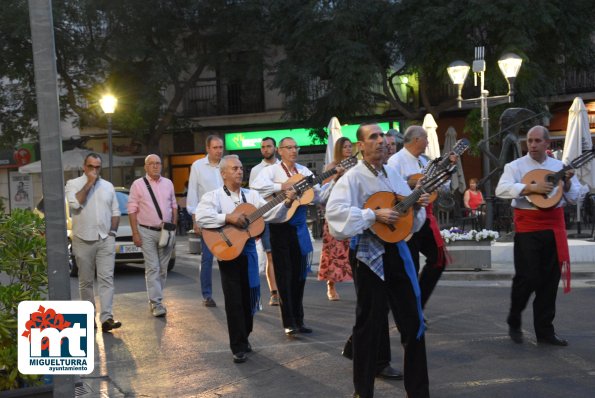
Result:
pixel 148 53
pixel 355 50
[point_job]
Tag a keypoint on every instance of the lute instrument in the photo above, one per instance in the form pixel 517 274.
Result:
pixel 304 185
pixel 400 229
pixel 438 164
pixel 547 201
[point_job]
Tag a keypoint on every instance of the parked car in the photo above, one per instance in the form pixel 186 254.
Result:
pixel 126 251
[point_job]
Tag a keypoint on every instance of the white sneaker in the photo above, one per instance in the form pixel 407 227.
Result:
pixel 159 310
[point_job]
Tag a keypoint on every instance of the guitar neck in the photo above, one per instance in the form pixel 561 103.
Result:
pixel 427 187
pixel 261 211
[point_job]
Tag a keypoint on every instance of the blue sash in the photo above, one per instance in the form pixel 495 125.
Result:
pixel 253 277
pixel 299 222
pixel 405 255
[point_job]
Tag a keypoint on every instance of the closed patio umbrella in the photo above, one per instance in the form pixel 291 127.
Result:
pixel 334 133
pixel 433 149
pixel 457 181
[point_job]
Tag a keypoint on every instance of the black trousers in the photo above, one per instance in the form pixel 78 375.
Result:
pixel 423 242
pixel 287 258
pixel 236 292
pixel 373 294
pixel 536 270
pixel 384 355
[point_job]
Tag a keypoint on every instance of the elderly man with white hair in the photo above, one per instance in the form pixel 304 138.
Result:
pixel 152 206
pixel 239 276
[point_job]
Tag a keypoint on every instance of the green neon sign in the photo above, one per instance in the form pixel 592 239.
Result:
pixel 252 139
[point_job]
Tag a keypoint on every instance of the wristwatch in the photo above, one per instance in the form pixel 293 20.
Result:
pixel 112 233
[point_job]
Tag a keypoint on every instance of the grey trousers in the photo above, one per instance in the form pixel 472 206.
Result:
pixel 92 256
pixel 156 261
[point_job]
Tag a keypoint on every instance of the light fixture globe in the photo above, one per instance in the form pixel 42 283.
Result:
pixel 458 72
pixel 108 104
pixel 510 64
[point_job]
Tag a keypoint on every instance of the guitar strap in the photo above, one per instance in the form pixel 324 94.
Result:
pixel 243 200
pixel 287 170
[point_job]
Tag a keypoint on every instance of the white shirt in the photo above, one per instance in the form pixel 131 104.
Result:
pixel 407 165
pixel 269 180
pixel 216 204
pixel 204 177
pixel 345 214
pixel 258 168
pixel 510 186
pixel 92 220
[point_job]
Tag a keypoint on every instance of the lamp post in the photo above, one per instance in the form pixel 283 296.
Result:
pixel 509 65
pixel 108 104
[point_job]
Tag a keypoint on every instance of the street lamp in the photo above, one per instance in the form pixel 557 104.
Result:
pixel 509 65
pixel 108 103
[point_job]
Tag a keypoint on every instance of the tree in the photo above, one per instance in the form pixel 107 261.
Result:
pixel 148 53
pixel 353 52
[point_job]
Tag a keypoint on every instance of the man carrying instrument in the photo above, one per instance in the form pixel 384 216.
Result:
pixel 290 241
pixel 239 277
pixel 428 241
pixel 384 272
pixel 540 243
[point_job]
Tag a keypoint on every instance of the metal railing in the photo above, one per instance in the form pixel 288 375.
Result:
pixel 215 99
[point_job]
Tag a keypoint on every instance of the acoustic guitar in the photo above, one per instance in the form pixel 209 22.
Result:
pixel 304 185
pixel 438 164
pixel 547 201
pixel 400 229
pixel 227 242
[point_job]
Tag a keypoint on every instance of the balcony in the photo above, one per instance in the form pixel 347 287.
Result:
pixel 217 99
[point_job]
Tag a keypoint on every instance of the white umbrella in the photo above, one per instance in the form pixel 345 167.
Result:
pixel 458 178
pixel 334 133
pixel 433 149
pixel 74 158
pixel 578 140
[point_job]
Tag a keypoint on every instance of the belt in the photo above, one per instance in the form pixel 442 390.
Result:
pixel 151 228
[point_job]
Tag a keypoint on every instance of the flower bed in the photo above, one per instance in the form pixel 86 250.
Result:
pixel 455 234
pixel 469 250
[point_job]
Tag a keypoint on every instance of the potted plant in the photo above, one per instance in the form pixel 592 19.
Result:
pixel 23 273
pixel 469 250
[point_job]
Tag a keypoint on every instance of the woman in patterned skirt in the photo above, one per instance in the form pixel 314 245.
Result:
pixel 334 258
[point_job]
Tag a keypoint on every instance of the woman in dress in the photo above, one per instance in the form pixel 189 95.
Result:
pixel 473 197
pixel 334 258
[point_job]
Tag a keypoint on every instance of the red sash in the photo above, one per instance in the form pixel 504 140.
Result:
pixel 539 220
pixel 443 257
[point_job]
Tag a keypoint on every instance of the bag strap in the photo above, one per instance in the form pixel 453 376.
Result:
pixel 154 199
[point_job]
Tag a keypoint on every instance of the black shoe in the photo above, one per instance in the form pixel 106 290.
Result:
pixel 110 324
pixel 390 373
pixel 516 335
pixel 209 302
pixel 304 329
pixel 239 357
pixel 553 340
pixel 348 349
pixel 291 331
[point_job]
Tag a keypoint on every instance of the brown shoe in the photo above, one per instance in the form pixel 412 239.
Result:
pixel 331 292
pixel 274 301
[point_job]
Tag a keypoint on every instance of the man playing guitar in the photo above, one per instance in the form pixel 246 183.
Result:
pixel 540 244
pixel 290 241
pixel 384 272
pixel 239 277
pixel 409 161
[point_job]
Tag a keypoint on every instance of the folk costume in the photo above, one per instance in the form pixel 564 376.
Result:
pixel 239 277
pixel 384 273
pixel 540 246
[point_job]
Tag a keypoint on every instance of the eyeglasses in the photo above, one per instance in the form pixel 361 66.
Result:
pixel 291 147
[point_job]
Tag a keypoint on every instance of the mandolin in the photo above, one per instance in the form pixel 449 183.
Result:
pixel 400 229
pixel 547 201
pixel 438 164
pixel 304 185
